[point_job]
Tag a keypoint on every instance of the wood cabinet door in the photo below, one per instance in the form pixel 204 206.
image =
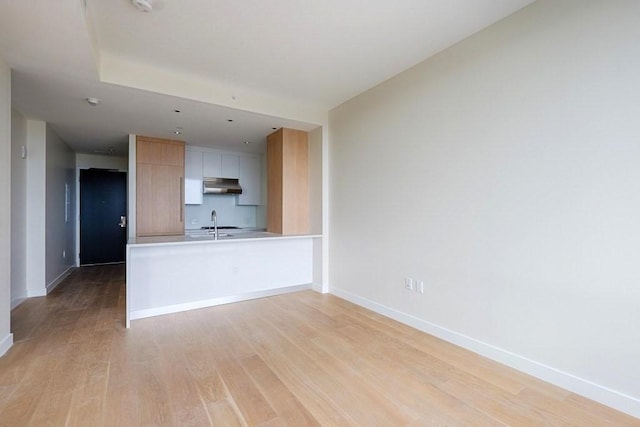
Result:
pixel 288 182
pixel 274 182
pixel 160 200
pixel 159 186
pixel 295 182
pixel 159 151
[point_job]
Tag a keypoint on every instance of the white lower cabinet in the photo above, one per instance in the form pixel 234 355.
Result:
pixel 213 272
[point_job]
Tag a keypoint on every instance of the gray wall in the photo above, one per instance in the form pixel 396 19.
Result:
pixel 503 172
pixel 60 211
pixel 50 169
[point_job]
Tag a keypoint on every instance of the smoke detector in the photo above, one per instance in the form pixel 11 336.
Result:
pixel 143 5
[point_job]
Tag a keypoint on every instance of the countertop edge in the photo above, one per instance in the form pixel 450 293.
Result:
pixel 132 243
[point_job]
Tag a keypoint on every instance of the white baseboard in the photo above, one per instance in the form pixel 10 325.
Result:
pixel 17 301
pixel 588 389
pixel 6 344
pixel 176 308
pixel 51 286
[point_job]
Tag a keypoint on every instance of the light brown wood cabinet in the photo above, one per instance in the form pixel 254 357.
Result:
pixel 288 182
pixel 159 187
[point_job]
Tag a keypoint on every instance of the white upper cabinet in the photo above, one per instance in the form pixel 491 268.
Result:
pixel 203 163
pixel 193 177
pixel 230 166
pixel 220 165
pixel 212 164
pixel 250 170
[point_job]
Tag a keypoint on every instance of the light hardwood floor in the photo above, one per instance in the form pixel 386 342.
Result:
pixel 300 359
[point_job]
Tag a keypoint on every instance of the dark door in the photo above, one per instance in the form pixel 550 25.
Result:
pixel 103 201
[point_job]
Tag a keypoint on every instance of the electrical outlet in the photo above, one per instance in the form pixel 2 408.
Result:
pixel 420 286
pixel 408 283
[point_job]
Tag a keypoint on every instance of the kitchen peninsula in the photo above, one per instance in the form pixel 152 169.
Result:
pixel 171 271
pixel 168 274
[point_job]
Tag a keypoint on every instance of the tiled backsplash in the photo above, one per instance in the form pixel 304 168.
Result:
pixel 225 206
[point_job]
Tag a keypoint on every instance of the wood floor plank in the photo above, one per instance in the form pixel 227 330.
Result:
pixel 318 403
pixel 598 412
pixel 224 413
pixel 285 404
pixel 212 391
pixel 186 405
pixel 326 355
pixel 300 359
pixel 20 406
pixel 507 379
pixel 348 389
pixel 254 407
pixel 121 397
pixel 154 408
pixel 421 397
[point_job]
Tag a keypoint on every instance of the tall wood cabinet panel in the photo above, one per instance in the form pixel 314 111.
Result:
pixel 159 187
pixel 288 182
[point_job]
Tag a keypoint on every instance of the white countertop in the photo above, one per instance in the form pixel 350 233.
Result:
pixel 225 236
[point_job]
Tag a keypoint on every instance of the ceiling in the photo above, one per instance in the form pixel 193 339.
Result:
pixel 234 70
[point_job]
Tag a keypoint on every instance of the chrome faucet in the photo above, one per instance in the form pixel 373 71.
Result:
pixel 214 218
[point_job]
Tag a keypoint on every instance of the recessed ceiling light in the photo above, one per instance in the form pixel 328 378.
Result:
pixel 247 142
pixel 143 5
pixel 177 132
pixel 229 120
pixel 93 101
pixel 176 111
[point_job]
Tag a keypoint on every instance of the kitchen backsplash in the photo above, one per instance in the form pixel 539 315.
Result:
pixel 229 214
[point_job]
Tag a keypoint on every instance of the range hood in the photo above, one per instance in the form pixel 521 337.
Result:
pixel 221 186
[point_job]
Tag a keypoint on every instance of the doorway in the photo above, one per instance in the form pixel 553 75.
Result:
pixel 103 210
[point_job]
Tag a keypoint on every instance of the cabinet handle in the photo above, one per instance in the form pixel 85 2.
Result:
pixel 181 205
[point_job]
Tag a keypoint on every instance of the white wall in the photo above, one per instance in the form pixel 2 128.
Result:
pixel 315 181
pixel 6 338
pixel 50 167
pixel 18 209
pixel 36 207
pixel 131 188
pixel 504 173
pixel 60 209
pixel 317 206
pixel 87 161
